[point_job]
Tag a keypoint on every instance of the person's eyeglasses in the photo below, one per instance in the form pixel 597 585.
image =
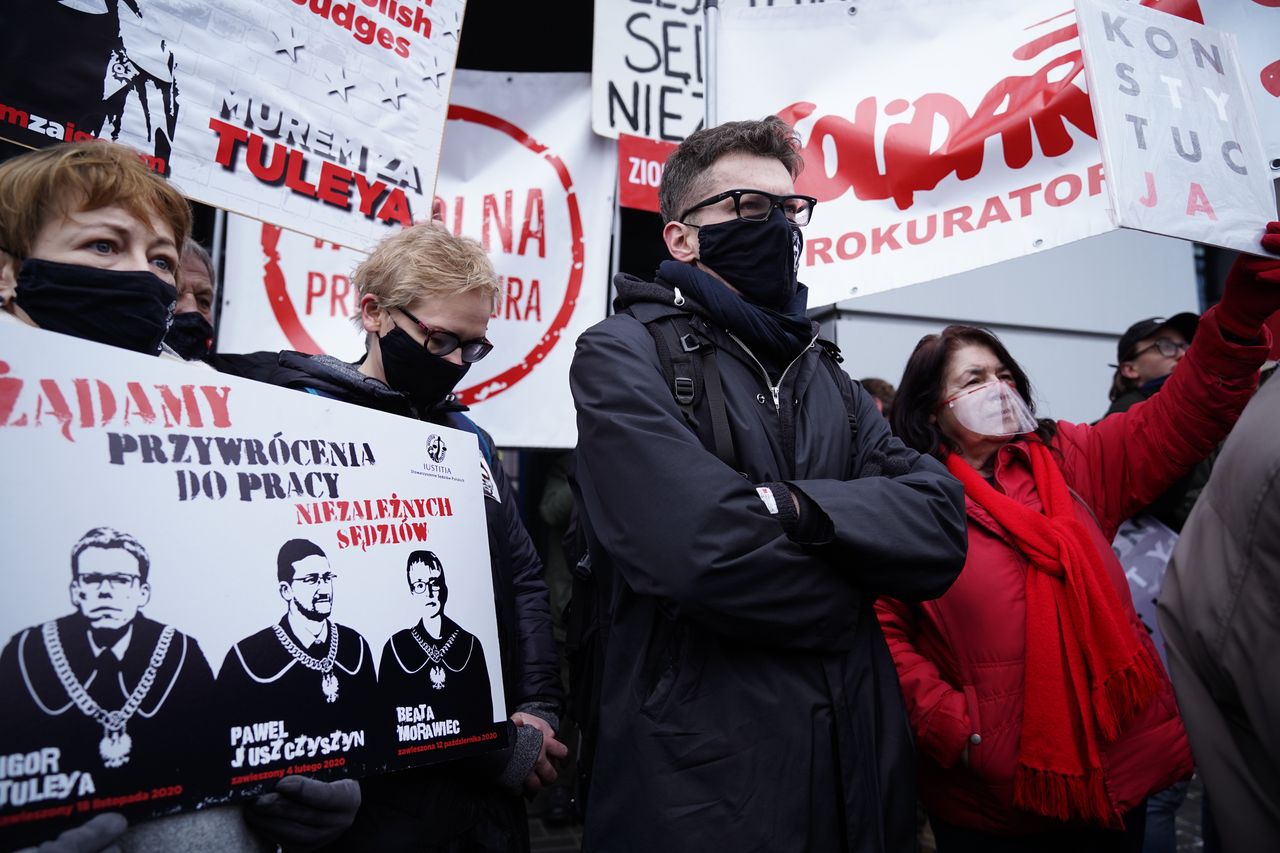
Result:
pixel 757 205
pixel 441 343
pixel 316 579
pixel 420 587
pixel 94 580
pixel 1167 348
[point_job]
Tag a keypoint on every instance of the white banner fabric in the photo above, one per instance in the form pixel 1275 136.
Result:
pixel 1180 142
pixel 923 169
pixel 1256 26
pixel 522 173
pixel 319 115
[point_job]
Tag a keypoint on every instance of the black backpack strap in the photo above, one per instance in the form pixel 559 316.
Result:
pixel 832 361
pixel 688 361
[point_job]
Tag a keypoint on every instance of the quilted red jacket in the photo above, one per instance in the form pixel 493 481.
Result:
pixel 961 657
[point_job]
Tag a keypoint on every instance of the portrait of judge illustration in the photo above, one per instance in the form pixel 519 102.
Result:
pixel 121 696
pixel 306 670
pixel 436 662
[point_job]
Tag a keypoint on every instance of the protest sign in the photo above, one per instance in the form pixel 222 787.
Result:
pixel 319 115
pixel 258 581
pixel 648 69
pixel 1143 546
pixel 923 169
pixel 522 173
pixel 1181 145
pixel 1256 26
pixel 640 165
pixel 284 290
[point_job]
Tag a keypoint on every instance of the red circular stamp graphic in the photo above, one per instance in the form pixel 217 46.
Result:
pixel 287 315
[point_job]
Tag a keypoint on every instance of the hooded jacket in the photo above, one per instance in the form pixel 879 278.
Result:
pixel 748 701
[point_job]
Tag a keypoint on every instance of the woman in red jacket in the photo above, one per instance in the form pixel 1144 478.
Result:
pixel 1043 717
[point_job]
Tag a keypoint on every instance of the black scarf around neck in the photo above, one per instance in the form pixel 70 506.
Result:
pixel 774 336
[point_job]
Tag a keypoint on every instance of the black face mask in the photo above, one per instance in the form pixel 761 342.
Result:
pixel 190 335
pixel 127 309
pixel 424 378
pixel 759 259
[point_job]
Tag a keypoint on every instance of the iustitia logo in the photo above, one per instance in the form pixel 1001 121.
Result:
pixel 436 448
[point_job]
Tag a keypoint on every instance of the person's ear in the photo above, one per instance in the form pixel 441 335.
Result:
pixel 8 279
pixel 145 589
pixel 371 314
pixel 286 592
pixel 1128 370
pixel 681 240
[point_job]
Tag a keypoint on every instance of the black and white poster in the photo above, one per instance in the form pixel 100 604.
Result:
pixel 323 116
pixel 211 583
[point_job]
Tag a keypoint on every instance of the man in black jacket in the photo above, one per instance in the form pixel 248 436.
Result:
pixel 748 699
pixel 425 301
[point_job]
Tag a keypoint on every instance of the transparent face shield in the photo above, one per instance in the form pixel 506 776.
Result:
pixel 992 409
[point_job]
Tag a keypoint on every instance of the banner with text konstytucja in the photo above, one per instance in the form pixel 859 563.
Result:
pixel 322 116
pixel 210 583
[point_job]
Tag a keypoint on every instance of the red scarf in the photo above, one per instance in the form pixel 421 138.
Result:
pixel 1087 674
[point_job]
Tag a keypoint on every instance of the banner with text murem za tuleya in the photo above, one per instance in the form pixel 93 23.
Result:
pixel 984 153
pixel 323 116
pixel 211 583
pixel 1180 141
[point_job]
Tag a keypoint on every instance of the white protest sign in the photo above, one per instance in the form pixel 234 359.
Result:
pixel 284 290
pixel 319 115
pixel 648 62
pixel 242 600
pixel 1181 145
pixel 522 173
pixel 923 169
pixel 1256 26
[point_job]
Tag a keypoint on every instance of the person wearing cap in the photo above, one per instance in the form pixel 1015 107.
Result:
pixel 1146 356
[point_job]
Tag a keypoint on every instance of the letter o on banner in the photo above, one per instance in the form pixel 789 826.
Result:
pixel 1073 184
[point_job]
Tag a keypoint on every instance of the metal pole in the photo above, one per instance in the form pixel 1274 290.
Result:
pixel 711 8
pixel 217 251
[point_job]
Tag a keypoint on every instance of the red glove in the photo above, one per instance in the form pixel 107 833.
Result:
pixel 1252 292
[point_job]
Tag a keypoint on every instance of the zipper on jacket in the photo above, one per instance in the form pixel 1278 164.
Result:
pixel 774 390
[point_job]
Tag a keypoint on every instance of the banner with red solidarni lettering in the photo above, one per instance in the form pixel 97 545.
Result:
pixel 522 173
pixel 922 168
pixel 324 116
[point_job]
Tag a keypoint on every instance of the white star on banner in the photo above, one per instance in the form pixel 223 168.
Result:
pixel 431 73
pixel 288 46
pixel 393 92
pixel 340 85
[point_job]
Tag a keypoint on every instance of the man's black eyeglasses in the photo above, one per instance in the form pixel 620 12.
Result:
pixel 1167 348
pixel 757 205
pixel 441 343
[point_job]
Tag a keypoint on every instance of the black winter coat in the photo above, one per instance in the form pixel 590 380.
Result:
pixel 749 702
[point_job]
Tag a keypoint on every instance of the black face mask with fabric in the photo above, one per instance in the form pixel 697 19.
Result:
pixel 130 309
pixel 190 335
pixel 759 259
pixel 424 378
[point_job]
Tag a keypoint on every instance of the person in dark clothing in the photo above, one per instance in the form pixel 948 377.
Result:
pixel 435 662
pixel 748 700
pixel 1146 357
pixel 306 671
pixel 425 301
